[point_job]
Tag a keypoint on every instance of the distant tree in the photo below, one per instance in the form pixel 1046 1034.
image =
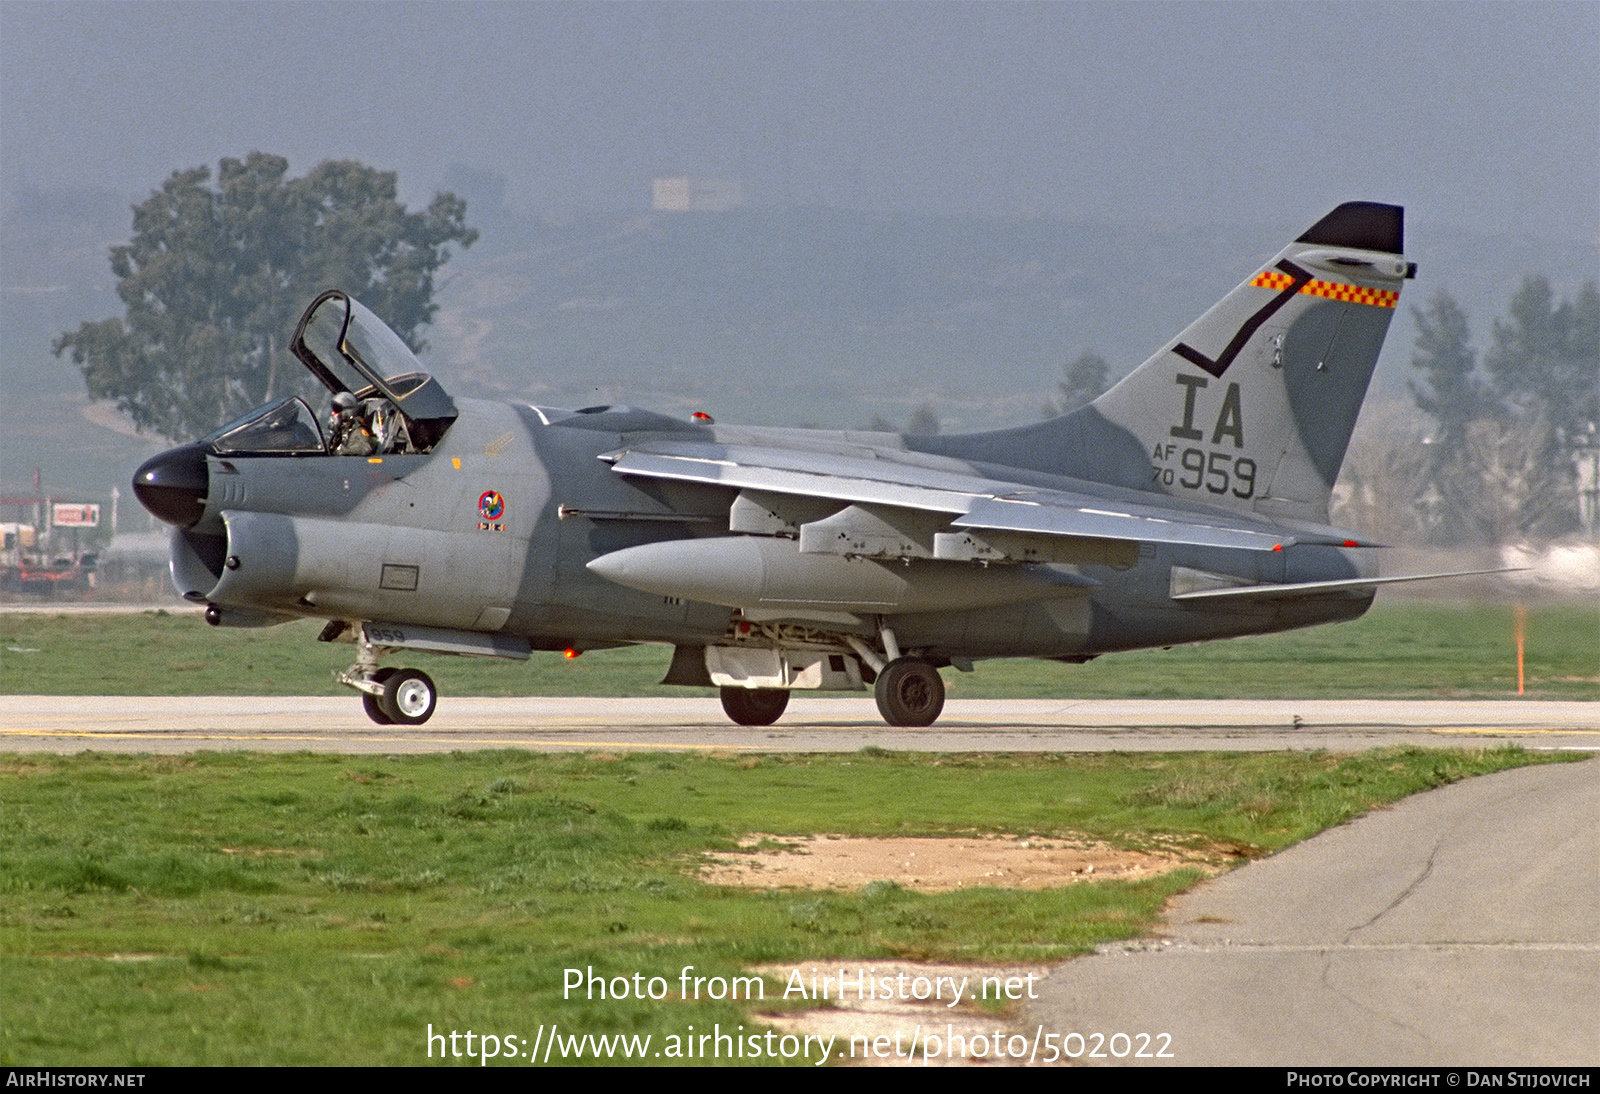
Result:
pixel 1525 483
pixel 217 274
pixel 1384 474
pixel 1451 392
pixel 1545 365
pixel 1548 352
pixel 1450 389
pixel 1500 463
pixel 923 421
pixel 1082 382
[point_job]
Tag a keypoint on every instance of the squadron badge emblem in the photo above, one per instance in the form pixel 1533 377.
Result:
pixel 491 507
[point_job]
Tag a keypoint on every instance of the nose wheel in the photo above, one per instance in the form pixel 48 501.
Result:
pixel 409 696
pixel 373 703
pixel 406 697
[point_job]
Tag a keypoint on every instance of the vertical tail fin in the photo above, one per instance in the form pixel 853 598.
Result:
pixel 1251 406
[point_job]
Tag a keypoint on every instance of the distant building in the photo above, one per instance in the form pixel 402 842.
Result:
pixel 682 194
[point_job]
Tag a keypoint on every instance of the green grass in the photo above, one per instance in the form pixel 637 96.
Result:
pixel 244 908
pixel 1408 649
pixel 1416 650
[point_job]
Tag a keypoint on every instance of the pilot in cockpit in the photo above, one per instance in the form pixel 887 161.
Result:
pixel 362 427
pixel 351 432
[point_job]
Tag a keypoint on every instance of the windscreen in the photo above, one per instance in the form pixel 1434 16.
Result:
pixel 287 425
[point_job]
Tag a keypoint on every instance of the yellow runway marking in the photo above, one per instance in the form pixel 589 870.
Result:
pixel 422 738
pixel 1509 731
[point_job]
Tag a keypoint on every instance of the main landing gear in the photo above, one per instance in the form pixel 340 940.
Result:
pixel 390 696
pixel 908 689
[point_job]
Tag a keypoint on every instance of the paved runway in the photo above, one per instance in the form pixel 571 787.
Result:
pixel 1459 927
pixel 337 724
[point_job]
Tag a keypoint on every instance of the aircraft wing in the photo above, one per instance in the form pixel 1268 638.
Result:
pixel 988 519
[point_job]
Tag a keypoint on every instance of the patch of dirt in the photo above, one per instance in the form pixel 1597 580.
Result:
pixel 894 1013
pixel 937 865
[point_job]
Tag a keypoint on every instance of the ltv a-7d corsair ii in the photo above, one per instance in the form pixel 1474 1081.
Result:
pixel 1189 502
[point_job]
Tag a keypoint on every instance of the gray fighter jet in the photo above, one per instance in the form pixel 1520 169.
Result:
pixel 1189 502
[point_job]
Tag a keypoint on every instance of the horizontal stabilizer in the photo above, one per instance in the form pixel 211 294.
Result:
pixel 1305 588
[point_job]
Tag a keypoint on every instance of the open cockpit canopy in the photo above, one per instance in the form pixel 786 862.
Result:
pixel 349 349
pixel 380 400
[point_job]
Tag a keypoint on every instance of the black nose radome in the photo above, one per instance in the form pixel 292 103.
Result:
pixel 173 485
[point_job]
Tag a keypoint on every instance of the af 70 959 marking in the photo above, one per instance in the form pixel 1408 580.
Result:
pixel 1215 469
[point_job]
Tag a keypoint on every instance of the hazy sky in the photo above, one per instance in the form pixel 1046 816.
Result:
pixel 1467 113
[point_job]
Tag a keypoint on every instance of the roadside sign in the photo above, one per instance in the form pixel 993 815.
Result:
pixel 73 515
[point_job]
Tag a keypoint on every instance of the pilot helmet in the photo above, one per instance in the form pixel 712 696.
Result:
pixel 344 401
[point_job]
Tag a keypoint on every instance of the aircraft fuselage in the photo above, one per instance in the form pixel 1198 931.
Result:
pixel 494 531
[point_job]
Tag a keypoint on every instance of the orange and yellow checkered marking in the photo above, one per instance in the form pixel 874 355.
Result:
pixel 1355 294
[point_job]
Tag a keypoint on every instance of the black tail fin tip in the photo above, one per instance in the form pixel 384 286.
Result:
pixel 1362 225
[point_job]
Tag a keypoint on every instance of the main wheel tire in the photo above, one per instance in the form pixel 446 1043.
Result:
pixel 373 704
pixel 755 706
pixel 409 697
pixel 909 692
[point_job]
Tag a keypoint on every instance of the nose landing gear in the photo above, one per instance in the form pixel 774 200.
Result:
pixel 405 697
pixel 390 696
pixel 409 696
